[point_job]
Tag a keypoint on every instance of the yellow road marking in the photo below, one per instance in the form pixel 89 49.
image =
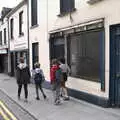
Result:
pixel 3 115
pixel 7 111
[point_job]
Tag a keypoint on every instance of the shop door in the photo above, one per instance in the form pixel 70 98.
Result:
pixel 115 65
pixel 57 49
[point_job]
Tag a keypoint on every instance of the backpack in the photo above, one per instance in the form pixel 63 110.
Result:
pixel 38 78
pixel 58 75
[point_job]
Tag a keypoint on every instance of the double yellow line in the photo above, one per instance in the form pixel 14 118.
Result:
pixel 5 113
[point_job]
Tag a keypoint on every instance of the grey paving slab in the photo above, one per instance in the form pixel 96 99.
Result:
pixel 46 110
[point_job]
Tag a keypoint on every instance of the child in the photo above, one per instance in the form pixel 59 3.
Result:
pixel 55 75
pixel 39 78
pixel 65 70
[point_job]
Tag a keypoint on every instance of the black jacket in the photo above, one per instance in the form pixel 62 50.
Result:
pixel 22 74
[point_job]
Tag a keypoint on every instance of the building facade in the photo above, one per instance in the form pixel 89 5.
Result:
pixel 4 40
pixel 86 33
pixel 18 36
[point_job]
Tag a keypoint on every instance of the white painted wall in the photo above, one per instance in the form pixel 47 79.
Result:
pixel 39 34
pixel 4 25
pixel 19 42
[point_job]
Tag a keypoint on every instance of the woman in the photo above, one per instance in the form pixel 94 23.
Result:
pixel 23 78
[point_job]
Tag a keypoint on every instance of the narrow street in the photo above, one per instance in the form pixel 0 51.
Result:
pixel 45 109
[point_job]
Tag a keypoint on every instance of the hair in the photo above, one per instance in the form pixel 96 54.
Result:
pixel 62 60
pixel 21 60
pixel 37 65
pixel 54 61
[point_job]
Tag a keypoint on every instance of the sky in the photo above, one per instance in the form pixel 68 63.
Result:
pixel 8 3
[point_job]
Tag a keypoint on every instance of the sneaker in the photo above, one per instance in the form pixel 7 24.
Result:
pixel 45 96
pixel 37 98
pixel 57 102
pixel 66 98
pixel 25 100
pixel 18 97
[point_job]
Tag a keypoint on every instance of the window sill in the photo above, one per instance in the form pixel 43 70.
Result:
pixel 66 13
pixel 34 26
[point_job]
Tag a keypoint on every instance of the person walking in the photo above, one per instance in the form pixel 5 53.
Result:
pixel 39 78
pixel 65 71
pixel 23 78
pixel 55 77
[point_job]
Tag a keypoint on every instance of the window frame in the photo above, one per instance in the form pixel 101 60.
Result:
pixel 68 8
pixel 34 13
pixel 5 36
pixel 11 28
pixel 21 23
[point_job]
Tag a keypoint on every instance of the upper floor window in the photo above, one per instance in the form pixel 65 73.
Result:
pixel 11 28
pixel 21 23
pixel 67 6
pixel 0 37
pixel 4 35
pixel 33 12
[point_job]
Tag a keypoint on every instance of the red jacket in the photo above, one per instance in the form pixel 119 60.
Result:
pixel 52 72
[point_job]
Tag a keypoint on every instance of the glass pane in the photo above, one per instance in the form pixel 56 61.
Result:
pixel 85 53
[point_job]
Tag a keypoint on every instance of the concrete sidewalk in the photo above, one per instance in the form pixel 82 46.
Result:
pixel 46 110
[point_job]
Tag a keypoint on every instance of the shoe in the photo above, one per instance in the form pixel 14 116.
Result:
pixel 57 102
pixel 18 97
pixel 25 100
pixel 37 98
pixel 45 96
pixel 66 98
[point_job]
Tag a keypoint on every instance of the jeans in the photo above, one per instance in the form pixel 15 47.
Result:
pixel 25 90
pixel 37 93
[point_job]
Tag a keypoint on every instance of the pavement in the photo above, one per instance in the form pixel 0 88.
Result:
pixel 73 109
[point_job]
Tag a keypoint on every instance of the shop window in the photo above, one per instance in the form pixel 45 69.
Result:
pixel 85 53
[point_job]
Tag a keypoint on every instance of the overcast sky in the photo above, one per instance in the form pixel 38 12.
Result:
pixel 8 3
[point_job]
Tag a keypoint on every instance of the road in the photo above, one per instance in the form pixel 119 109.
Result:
pixel 10 110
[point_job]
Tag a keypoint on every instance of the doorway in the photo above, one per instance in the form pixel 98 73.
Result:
pixel 115 65
pixel 35 53
pixel 57 48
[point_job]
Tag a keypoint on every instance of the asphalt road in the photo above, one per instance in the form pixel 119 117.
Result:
pixel 10 110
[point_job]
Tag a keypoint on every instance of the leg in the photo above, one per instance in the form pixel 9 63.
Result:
pixel 26 90
pixel 53 87
pixel 37 93
pixel 40 86
pixel 19 90
pixel 57 95
pixel 66 97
